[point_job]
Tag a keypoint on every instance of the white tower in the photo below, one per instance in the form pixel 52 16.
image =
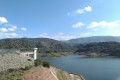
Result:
pixel 35 53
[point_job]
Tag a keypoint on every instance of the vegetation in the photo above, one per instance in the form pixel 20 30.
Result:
pixel 101 48
pixel 37 62
pixel 11 75
pixel 44 45
pixel 94 39
pixel 27 67
pixel 61 75
pixel 46 64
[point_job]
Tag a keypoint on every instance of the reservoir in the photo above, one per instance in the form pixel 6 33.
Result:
pixel 107 68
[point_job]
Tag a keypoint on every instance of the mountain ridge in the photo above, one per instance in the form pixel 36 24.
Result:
pixel 100 49
pixel 43 44
pixel 94 39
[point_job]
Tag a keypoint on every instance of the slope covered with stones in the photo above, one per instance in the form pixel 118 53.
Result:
pixel 14 61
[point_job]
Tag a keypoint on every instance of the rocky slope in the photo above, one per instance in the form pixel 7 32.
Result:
pixel 14 61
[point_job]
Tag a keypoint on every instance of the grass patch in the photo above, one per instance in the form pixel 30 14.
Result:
pixel 27 67
pixel 61 75
pixel 11 75
pixel 37 62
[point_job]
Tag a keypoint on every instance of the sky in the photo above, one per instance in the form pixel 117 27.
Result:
pixel 59 19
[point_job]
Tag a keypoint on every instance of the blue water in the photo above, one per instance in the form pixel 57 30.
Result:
pixel 107 68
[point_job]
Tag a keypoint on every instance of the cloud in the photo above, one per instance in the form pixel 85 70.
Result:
pixel 84 10
pixel 79 11
pixel 63 36
pixel 59 36
pixel 104 24
pixel 5 23
pixel 88 9
pixel 85 34
pixel 8 35
pixel 3 20
pixel 114 32
pixel 8 30
pixel 78 25
pixel 3 30
pixel 44 35
pixel 13 28
pixel 10 25
pixel 24 29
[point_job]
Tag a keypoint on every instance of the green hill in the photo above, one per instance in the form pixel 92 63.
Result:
pixel 92 39
pixel 43 44
pixel 100 48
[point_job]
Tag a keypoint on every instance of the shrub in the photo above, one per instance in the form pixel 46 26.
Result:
pixel 14 75
pixel 27 67
pixel 11 70
pixel 46 64
pixel 37 62
pixel 29 59
pixel 61 75
pixel 47 51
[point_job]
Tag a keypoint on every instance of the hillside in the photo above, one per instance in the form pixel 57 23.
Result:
pixel 14 61
pixel 21 67
pixel 41 73
pixel 100 48
pixel 92 39
pixel 44 45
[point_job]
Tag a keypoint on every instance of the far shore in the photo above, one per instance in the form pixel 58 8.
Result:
pixel 55 54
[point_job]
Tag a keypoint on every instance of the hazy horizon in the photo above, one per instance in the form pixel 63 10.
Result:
pixel 58 39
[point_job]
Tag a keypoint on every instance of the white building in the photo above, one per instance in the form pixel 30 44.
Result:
pixel 32 54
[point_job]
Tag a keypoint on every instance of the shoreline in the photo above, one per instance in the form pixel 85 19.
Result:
pixel 18 73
